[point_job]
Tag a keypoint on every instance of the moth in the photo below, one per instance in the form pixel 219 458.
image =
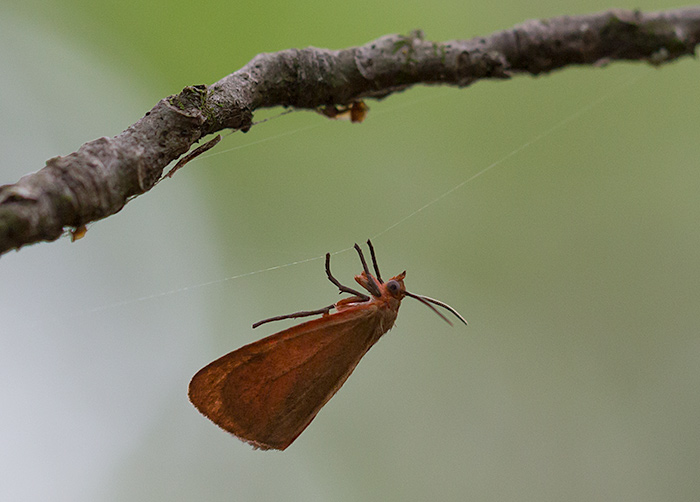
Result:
pixel 267 392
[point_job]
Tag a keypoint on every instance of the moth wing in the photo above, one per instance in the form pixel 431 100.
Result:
pixel 268 392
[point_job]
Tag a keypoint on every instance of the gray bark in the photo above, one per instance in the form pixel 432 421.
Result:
pixel 104 174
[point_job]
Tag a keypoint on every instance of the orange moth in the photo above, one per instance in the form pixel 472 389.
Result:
pixel 268 392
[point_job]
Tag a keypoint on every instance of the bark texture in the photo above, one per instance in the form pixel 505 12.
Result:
pixel 104 174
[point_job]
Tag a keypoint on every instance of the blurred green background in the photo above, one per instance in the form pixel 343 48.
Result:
pixel 575 260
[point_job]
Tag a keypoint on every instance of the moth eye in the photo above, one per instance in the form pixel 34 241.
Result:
pixel 393 286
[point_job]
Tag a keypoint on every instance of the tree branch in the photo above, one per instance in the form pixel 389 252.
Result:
pixel 104 174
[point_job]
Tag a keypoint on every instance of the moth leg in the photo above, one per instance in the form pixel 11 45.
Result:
pixel 374 262
pixel 373 287
pixel 303 313
pixel 343 289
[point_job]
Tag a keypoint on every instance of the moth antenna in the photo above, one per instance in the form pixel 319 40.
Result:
pixel 426 300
